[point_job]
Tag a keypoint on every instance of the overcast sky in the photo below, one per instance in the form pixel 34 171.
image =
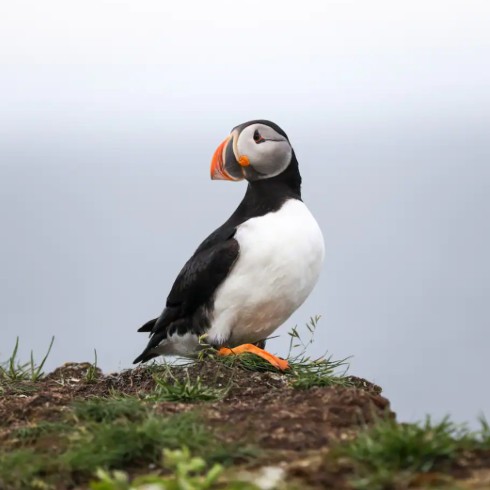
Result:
pixel 111 110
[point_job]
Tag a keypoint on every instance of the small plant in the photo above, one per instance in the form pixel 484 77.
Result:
pixel 390 453
pixel 296 340
pixel 92 372
pixel 13 370
pixel 187 473
pixel 172 389
pixel 307 373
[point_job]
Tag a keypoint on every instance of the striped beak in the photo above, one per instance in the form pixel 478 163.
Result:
pixel 224 165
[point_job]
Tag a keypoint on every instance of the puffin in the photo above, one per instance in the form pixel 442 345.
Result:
pixel 250 274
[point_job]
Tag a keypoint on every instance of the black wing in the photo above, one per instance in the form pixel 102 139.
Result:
pixel 193 289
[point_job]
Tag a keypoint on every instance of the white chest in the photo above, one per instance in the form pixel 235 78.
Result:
pixel 280 259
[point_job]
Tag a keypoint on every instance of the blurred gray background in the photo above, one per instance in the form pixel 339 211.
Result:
pixel 111 110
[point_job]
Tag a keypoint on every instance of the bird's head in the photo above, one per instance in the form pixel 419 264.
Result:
pixel 255 150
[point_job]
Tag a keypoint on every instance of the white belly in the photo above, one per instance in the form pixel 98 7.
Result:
pixel 280 258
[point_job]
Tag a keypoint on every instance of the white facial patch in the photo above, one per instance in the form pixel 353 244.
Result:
pixel 268 152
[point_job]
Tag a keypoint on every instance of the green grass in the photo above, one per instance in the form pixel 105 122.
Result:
pixel 170 388
pixel 101 410
pixel 307 373
pixel 107 433
pixel 92 373
pixel 22 388
pixel 245 361
pixel 304 372
pixel 390 454
pixel 122 430
pixel 21 469
pixel 13 370
pixel 32 433
pixel 117 444
pixel 483 437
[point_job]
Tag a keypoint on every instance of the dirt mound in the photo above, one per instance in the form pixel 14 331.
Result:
pixel 258 405
pixel 294 420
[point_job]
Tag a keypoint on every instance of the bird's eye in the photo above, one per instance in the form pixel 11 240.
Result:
pixel 258 137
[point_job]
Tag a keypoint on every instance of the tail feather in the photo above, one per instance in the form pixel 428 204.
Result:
pixel 158 329
pixel 148 326
pixel 145 356
pixel 149 352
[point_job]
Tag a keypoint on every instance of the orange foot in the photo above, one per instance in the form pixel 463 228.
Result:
pixel 253 349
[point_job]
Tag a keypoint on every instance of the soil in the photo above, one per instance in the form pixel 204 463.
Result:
pixel 295 428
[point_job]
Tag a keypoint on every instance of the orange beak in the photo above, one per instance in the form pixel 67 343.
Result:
pixel 219 163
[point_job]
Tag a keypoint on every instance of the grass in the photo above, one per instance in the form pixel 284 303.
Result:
pixel 107 433
pixel 21 469
pixel 390 454
pixel 125 429
pixel 13 370
pixel 186 390
pixel 118 444
pixel 246 361
pixel 304 372
pixel 307 373
pixel 92 372
pixel 32 433
pixel 100 410
pixel 483 437
pixel 23 388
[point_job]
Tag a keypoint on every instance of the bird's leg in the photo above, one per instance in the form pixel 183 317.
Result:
pixel 253 349
pixel 260 344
